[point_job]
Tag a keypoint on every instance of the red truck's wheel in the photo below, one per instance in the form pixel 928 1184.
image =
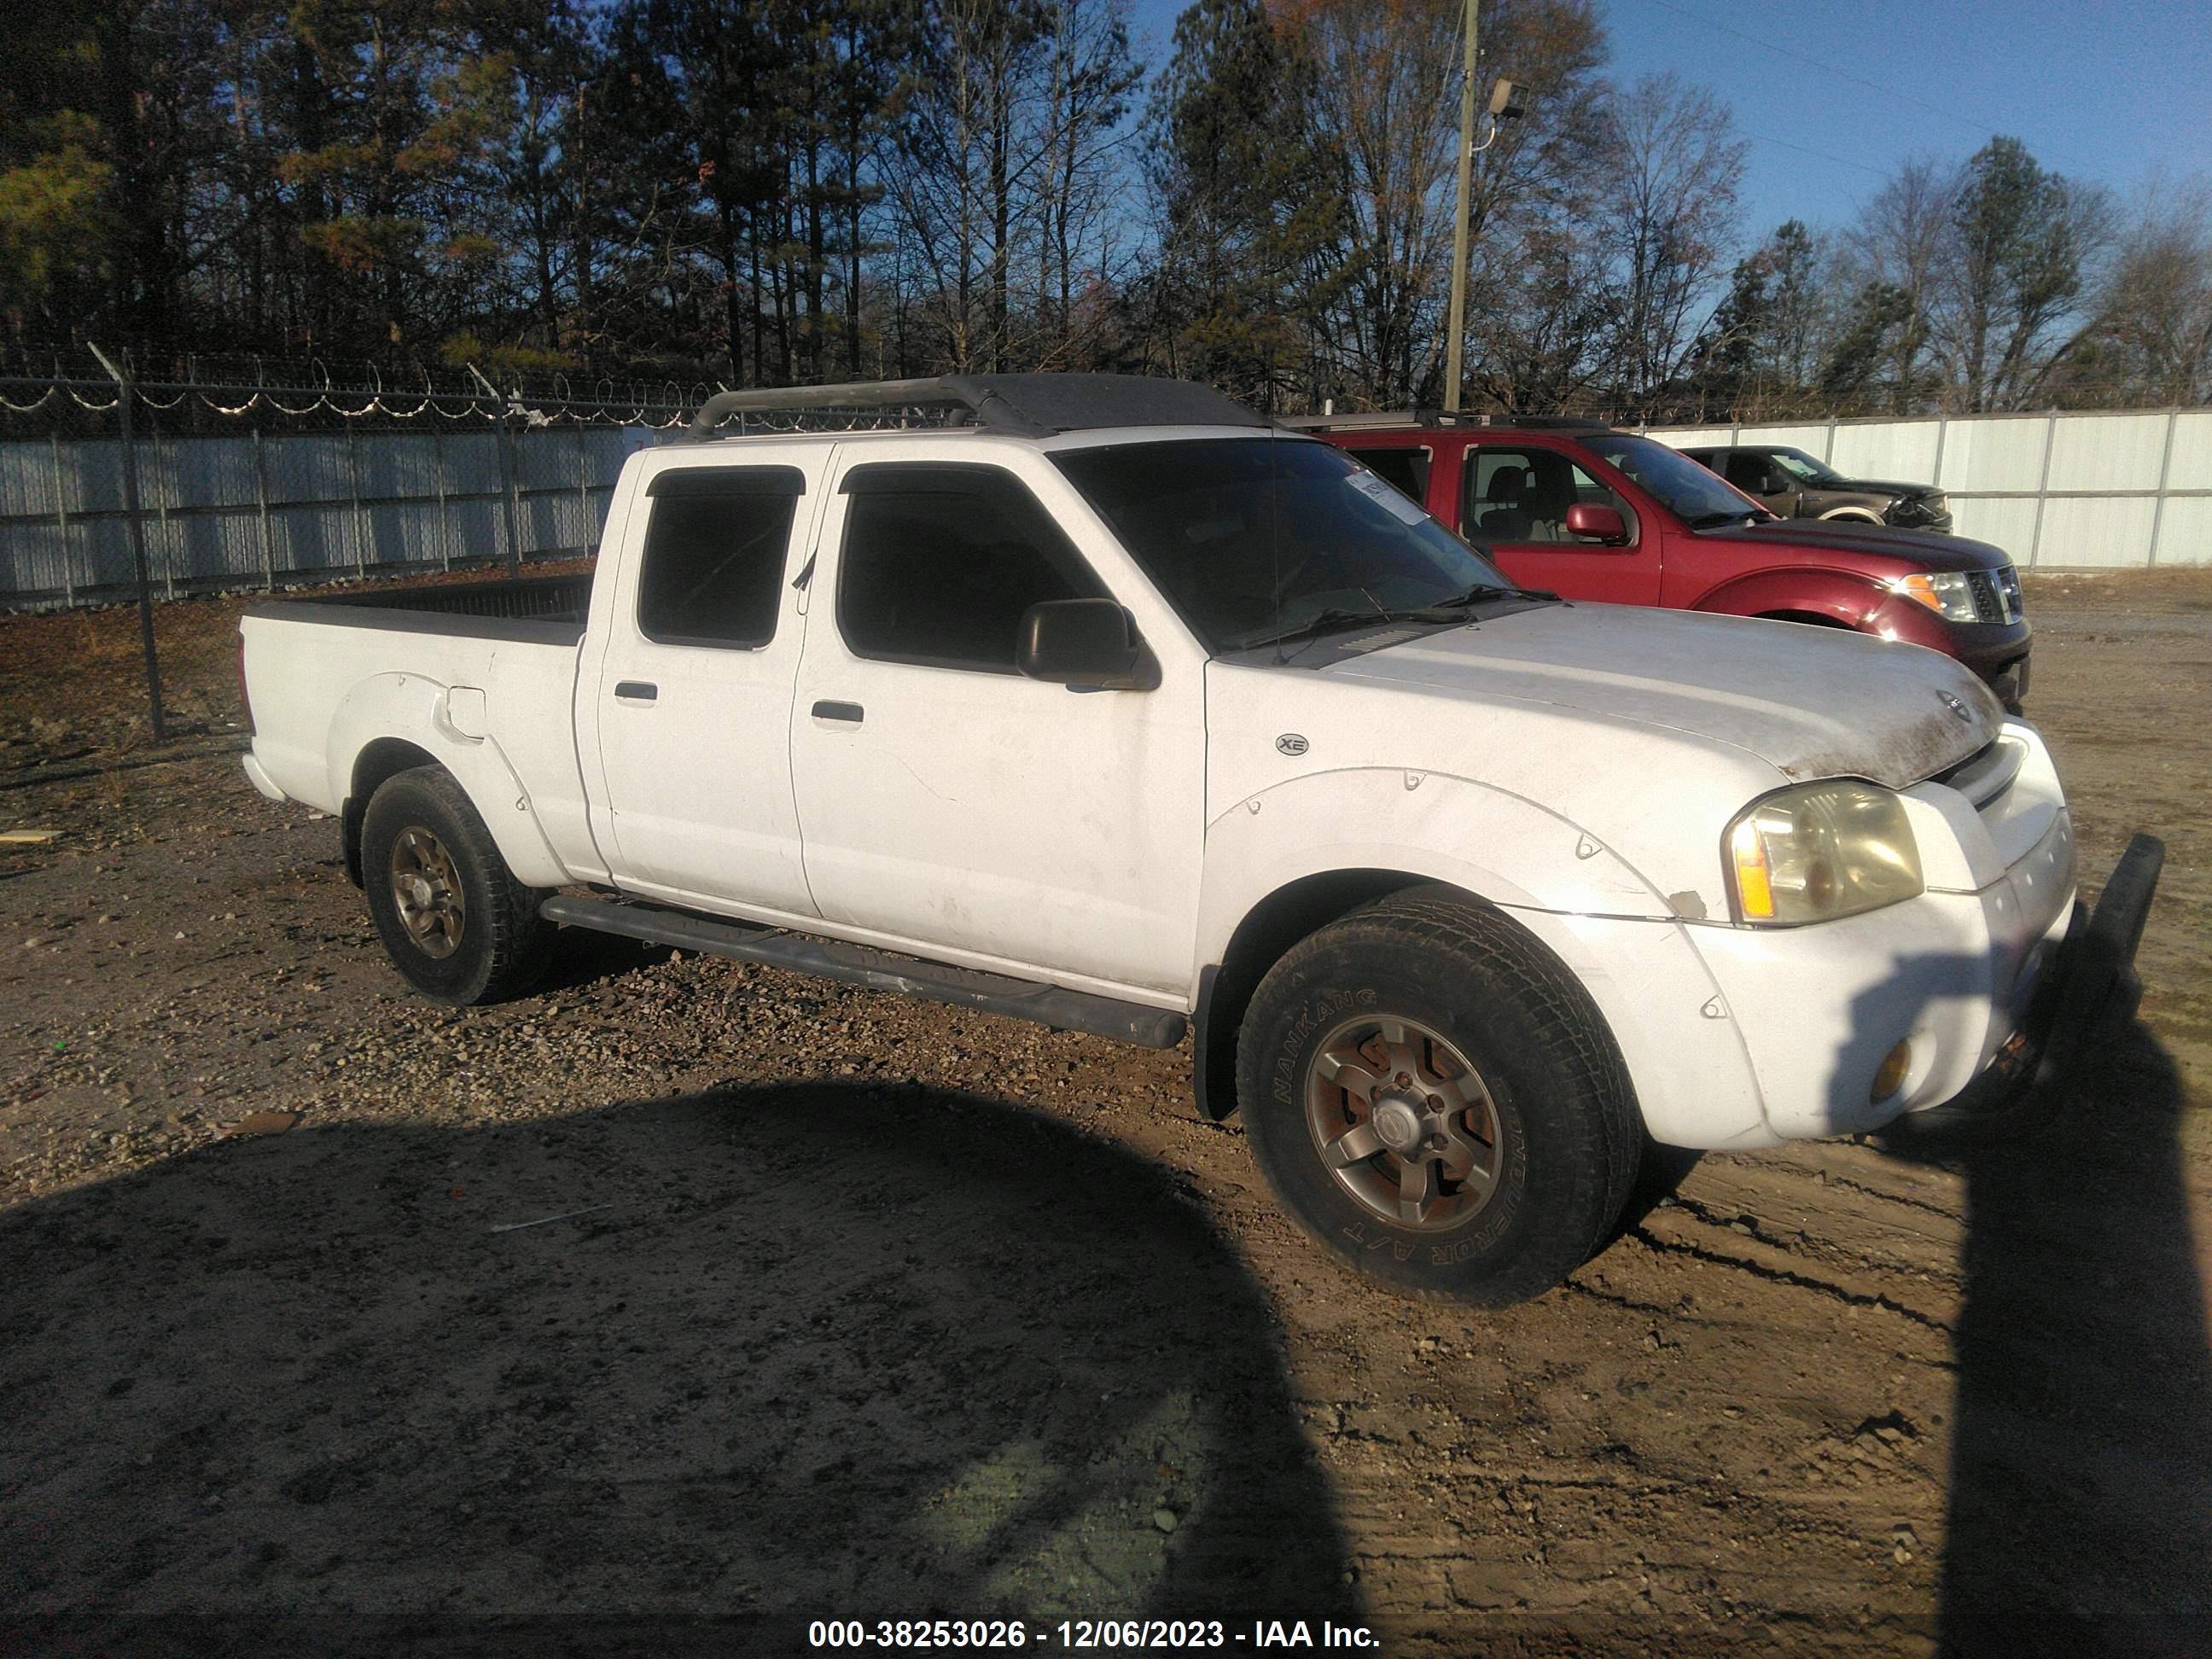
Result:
pixel 1434 1098
pixel 457 925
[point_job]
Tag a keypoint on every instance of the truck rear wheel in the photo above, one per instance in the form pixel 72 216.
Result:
pixel 1434 1098
pixel 457 925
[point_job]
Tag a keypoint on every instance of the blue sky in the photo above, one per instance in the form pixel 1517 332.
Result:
pixel 1834 95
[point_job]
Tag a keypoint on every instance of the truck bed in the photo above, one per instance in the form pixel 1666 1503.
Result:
pixel 479 676
pixel 536 610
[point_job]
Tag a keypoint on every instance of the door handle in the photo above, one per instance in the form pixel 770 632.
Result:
pixel 839 711
pixel 643 690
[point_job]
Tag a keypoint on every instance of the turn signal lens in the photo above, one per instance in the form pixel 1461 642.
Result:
pixel 1889 1078
pixel 1754 892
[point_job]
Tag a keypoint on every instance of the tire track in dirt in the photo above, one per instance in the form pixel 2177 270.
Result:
pixel 1709 1440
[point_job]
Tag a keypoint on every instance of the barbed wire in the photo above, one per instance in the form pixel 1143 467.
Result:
pixel 27 395
pixel 613 404
pixel 35 381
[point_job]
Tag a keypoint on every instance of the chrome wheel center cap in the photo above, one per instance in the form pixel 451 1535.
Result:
pixel 1399 1123
pixel 420 890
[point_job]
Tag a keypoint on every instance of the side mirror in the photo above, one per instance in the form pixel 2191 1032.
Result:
pixel 1777 483
pixel 1090 644
pixel 1588 521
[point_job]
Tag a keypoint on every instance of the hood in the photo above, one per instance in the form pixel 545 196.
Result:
pixel 1813 702
pixel 1885 487
pixel 1911 549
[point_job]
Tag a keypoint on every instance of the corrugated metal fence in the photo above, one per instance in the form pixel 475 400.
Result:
pixel 261 509
pixel 2056 491
pixel 252 509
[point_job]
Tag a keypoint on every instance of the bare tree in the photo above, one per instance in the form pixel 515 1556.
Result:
pixel 1668 227
pixel 2151 336
pixel 1544 305
pixel 1388 85
pixel 1535 284
pixel 1892 259
pixel 1089 78
pixel 951 181
pixel 1005 187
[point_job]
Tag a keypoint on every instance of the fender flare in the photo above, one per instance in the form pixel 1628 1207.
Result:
pixel 1275 874
pixel 1433 826
pixel 414 709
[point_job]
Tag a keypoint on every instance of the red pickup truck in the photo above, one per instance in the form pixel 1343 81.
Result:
pixel 1593 513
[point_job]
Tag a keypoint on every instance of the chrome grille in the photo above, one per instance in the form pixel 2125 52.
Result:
pixel 1996 593
pixel 1984 587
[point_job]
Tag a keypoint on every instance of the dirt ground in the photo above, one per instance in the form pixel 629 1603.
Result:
pixel 834 1305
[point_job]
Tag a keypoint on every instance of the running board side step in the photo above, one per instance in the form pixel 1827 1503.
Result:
pixel 879 970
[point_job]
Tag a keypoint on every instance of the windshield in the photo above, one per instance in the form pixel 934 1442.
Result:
pixel 1695 495
pixel 1249 536
pixel 1799 464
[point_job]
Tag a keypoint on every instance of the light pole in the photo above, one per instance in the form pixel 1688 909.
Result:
pixel 1458 324
pixel 1507 102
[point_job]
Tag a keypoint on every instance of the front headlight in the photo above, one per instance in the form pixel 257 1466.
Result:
pixel 1819 851
pixel 2008 598
pixel 1911 509
pixel 1946 592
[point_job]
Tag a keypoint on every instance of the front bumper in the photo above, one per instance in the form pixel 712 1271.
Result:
pixel 1996 653
pixel 2085 998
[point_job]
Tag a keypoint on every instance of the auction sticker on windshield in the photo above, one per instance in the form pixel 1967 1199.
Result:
pixel 1394 500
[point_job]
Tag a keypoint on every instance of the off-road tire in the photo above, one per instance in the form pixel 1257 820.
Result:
pixel 502 945
pixel 1568 1135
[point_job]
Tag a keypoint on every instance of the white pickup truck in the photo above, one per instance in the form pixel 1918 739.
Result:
pixel 1101 701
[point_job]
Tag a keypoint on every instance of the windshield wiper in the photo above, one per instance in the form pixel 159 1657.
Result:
pixel 1327 621
pixel 1708 520
pixel 1484 593
pixel 1436 611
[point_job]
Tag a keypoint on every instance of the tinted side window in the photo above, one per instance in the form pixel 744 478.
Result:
pixel 1408 469
pixel 715 551
pixel 940 562
pixel 1748 470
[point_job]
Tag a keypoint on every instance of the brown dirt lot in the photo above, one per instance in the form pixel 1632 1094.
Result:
pixel 860 1307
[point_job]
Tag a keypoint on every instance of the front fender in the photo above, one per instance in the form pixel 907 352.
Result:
pixel 1841 598
pixel 1498 846
pixel 444 725
pixel 1625 941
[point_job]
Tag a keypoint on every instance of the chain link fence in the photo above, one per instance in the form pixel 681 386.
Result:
pixel 252 485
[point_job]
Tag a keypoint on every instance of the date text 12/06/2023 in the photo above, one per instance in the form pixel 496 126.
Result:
pixel 1085 1634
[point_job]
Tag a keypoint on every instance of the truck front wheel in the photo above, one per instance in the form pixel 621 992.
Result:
pixel 1436 1099
pixel 460 927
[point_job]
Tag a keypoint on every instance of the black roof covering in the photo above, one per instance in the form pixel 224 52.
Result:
pixel 1030 405
pixel 1075 402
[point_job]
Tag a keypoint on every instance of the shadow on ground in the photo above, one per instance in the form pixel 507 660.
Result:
pixel 823 1352
pixel 2081 1503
